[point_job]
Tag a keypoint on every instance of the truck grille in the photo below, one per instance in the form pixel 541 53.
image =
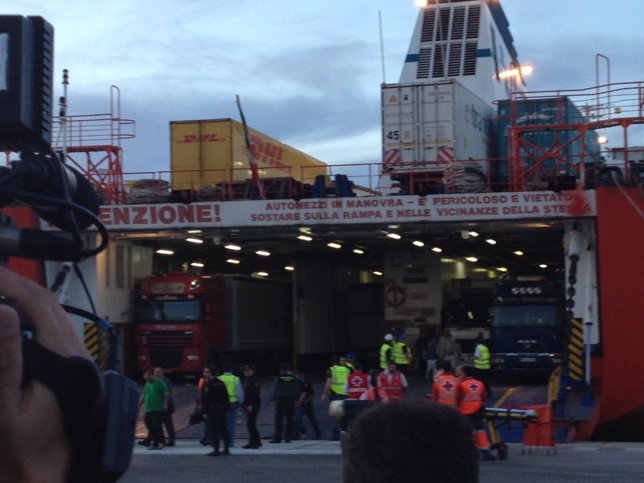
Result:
pixel 167 339
pixel 166 358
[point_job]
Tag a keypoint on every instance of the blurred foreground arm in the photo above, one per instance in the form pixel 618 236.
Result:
pixel 33 444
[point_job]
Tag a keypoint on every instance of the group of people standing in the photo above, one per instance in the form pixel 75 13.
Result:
pixel 222 395
pixel 453 383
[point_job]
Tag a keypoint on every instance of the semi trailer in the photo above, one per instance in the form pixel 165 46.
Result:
pixel 184 321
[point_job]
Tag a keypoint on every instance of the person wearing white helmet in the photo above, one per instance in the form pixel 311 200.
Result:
pixel 385 351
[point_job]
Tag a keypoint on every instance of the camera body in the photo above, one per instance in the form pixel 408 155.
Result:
pixel 26 82
pixel 99 409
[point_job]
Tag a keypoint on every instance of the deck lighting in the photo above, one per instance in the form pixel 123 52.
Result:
pixel 358 251
pixel 164 251
pixel 335 245
pixel 437 249
pixel 518 253
pixel 194 240
pixel 263 253
pixel 304 238
pixel 394 236
pixel 233 261
pixel 501 269
pixel 289 268
pixel 472 259
pixel 377 273
pixel 262 274
pixel 418 243
pixel 233 247
pixel 473 233
pixel 197 264
pixel 516 72
pixel 543 265
pixel 491 241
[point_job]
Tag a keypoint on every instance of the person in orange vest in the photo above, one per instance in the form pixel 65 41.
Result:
pixel 445 384
pixel 357 382
pixel 374 392
pixel 393 382
pixel 470 398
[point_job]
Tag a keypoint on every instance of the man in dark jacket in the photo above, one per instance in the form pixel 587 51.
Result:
pixel 215 406
pixel 304 406
pixel 285 394
pixel 250 405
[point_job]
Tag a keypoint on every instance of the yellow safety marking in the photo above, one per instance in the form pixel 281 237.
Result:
pixel 91 339
pixel 576 350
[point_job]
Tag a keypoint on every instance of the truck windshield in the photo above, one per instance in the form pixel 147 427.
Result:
pixel 175 311
pixel 527 315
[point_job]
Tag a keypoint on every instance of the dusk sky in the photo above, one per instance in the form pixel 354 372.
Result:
pixel 308 73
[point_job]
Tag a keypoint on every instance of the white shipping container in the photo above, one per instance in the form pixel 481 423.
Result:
pixel 427 127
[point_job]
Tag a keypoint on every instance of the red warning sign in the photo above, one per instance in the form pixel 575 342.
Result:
pixel 395 296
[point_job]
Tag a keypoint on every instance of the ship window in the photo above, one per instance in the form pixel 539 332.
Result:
pixel 439 61
pixel 473 18
pixel 429 19
pixel 455 54
pixel 443 24
pixel 424 59
pixel 458 23
pixel 469 64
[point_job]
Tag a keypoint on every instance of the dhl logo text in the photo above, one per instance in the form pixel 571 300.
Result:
pixel 200 138
pixel 267 153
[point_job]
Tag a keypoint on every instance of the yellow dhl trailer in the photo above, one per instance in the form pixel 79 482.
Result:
pixel 206 153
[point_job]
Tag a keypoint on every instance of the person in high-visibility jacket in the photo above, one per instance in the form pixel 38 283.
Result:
pixel 335 387
pixel 401 354
pixel 482 363
pixel 385 351
pixel 235 397
pixel 393 382
pixel 470 399
pixel 445 384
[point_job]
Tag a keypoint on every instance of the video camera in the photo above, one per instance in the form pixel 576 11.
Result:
pixel 99 409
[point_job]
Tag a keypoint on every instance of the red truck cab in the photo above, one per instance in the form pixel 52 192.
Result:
pixel 177 321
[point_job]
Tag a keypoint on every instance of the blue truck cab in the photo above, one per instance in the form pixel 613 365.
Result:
pixel 527 333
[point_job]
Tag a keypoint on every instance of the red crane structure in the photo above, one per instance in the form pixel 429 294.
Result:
pixel 92 143
pixel 602 107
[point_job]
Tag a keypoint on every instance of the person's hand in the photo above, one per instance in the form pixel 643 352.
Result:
pixel 33 445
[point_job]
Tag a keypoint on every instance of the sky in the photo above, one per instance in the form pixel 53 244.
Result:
pixel 307 73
